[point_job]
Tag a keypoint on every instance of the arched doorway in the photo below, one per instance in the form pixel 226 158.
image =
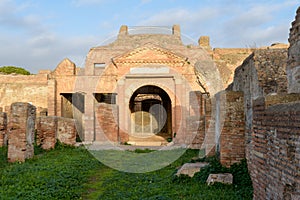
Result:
pixel 151 113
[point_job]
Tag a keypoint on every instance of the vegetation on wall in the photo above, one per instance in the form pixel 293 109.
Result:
pixel 13 69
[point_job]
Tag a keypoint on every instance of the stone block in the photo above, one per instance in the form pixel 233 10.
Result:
pixel 191 168
pixel 225 178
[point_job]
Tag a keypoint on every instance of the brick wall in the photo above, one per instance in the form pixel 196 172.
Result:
pixel 107 119
pixel 3 128
pixel 230 127
pixel 274 157
pixel 20 88
pixel 21 128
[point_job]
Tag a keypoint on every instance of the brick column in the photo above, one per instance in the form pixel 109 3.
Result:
pixel 21 132
pixel 3 128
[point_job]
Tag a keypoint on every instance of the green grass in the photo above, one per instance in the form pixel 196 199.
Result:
pixel 73 173
pixel 57 174
pixel 163 184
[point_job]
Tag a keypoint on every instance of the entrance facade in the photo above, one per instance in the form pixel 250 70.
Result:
pixel 139 88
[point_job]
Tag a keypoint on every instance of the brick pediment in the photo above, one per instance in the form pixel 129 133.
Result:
pixel 149 54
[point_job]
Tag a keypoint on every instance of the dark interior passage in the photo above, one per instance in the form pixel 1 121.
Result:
pixel 150 108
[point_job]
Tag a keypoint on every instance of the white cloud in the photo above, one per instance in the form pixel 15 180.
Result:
pixel 261 25
pixel 79 3
pixel 44 51
pixel 26 40
pixel 181 16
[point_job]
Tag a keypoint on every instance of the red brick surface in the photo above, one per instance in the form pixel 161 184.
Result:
pixel 274 155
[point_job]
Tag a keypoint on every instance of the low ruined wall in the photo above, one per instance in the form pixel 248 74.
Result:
pixel 46 132
pixel 21 130
pixel 52 128
pixel 293 67
pixel 274 155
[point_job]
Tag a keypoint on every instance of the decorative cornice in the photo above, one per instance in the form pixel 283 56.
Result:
pixel 156 55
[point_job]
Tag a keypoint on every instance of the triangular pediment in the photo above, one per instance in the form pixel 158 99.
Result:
pixel 150 54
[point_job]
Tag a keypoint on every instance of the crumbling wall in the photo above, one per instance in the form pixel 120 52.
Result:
pixel 227 59
pixel 293 66
pixel 3 129
pixel 53 128
pixel 262 73
pixel 21 129
pixel 274 158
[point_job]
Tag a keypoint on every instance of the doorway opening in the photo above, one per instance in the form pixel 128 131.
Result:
pixel 151 113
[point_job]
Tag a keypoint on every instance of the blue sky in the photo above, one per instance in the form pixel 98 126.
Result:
pixel 38 34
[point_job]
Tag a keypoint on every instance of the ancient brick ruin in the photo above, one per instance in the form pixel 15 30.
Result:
pixel 20 130
pixel 273 151
pixel 151 89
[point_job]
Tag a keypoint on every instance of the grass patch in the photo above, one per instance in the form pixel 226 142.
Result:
pixel 163 184
pixel 57 174
pixel 73 173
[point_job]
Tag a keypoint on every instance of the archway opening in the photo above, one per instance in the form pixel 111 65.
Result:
pixel 151 114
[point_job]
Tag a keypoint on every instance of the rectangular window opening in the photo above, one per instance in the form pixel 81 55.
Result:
pixel 99 65
pixel 109 98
